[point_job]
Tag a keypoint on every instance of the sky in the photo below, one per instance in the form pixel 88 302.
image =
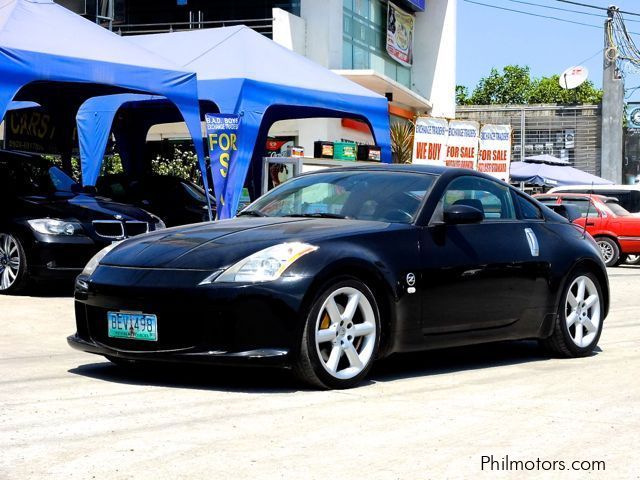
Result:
pixel 488 37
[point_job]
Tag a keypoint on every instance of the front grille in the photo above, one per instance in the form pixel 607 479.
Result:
pixel 133 228
pixel 117 230
pixel 111 229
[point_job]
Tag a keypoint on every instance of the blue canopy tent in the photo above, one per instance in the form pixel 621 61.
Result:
pixel 58 59
pixel 545 175
pixel 234 74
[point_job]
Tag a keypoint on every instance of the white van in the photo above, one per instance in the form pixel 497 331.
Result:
pixel 628 195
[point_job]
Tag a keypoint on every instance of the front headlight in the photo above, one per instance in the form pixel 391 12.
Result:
pixel 52 226
pixel 266 265
pixel 95 261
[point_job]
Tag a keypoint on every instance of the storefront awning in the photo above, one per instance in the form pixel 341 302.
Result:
pixel 379 83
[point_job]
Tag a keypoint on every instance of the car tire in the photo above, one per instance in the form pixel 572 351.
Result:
pixel 631 259
pixel 610 251
pixel 14 272
pixel 341 336
pixel 578 324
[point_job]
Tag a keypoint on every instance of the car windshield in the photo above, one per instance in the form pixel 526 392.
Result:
pixel 361 195
pixel 196 192
pixel 36 176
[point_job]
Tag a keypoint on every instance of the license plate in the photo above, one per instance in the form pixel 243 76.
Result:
pixel 133 326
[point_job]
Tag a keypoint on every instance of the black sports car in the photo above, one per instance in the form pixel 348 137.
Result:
pixel 49 229
pixel 334 269
pixel 175 200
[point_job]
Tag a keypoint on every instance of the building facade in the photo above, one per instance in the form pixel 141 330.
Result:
pixel 347 36
pixel 569 132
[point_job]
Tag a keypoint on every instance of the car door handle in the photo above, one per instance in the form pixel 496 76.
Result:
pixel 591 223
pixel 533 242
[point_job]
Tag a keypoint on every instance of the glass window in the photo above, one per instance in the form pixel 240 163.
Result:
pixel 617 209
pixel 491 198
pixel 528 210
pixel 379 196
pixel 584 206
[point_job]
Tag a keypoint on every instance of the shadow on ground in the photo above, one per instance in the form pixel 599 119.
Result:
pixel 270 381
pixel 61 288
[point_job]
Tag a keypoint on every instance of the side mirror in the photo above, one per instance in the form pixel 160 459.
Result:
pixel 462 214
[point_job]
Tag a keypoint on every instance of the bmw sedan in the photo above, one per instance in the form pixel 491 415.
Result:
pixel 335 269
pixel 50 228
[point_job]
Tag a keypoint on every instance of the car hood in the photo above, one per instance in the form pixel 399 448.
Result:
pixel 211 246
pixel 85 208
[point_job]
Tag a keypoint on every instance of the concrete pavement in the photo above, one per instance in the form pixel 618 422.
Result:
pixel 66 415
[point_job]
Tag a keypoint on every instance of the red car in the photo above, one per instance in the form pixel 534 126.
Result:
pixel 615 229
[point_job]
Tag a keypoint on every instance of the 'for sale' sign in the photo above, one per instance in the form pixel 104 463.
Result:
pixel 462 144
pixel 495 151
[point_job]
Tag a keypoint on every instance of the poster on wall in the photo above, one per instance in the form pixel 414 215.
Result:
pixel 430 140
pixel 462 144
pixel 222 140
pixel 494 156
pixel 400 35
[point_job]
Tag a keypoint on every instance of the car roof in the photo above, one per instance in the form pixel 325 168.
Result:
pixel 614 188
pixel 392 167
pixel 566 195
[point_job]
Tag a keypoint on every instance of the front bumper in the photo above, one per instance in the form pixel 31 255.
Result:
pixel 223 324
pixel 260 357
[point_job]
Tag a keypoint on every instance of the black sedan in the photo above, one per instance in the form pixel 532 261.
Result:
pixel 175 200
pixel 335 269
pixel 49 228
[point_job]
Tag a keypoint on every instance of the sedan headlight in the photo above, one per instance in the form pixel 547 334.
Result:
pixel 52 226
pixel 266 265
pixel 95 261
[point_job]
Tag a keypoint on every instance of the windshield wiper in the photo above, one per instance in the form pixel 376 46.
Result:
pixel 317 215
pixel 252 213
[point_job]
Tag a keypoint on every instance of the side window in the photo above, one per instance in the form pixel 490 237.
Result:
pixel 491 198
pixel 528 210
pixel 583 207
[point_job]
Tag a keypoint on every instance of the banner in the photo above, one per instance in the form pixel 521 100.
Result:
pixel 222 139
pixel 430 140
pixel 400 35
pixel 462 144
pixel 495 151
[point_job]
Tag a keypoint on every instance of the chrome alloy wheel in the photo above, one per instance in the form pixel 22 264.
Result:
pixel 345 333
pixel 606 250
pixel 582 311
pixel 9 261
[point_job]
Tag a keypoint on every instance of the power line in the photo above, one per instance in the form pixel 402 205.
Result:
pixel 558 8
pixel 548 17
pixel 586 5
pixel 597 15
pixel 583 5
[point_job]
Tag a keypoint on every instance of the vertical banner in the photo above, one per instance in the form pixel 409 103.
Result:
pixel 400 26
pixel 495 151
pixel 462 144
pixel 222 139
pixel 430 140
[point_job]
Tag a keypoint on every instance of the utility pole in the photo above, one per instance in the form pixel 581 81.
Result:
pixel 612 109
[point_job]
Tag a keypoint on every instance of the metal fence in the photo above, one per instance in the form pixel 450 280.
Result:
pixel 568 132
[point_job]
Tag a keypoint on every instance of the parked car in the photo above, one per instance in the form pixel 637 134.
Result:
pixel 49 228
pixel 616 231
pixel 334 269
pixel 628 195
pixel 175 200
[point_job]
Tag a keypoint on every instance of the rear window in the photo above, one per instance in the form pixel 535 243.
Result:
pixel 617 209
